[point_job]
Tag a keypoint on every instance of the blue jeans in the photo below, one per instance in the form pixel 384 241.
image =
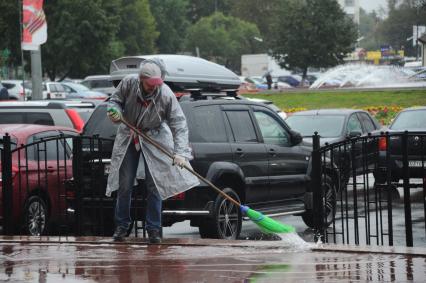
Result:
pixel 127 176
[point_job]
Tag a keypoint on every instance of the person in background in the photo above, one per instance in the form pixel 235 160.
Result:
pixel 268 78
pixel 4 94
pixel 147 103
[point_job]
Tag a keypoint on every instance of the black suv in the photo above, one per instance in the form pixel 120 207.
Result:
pixel 241 146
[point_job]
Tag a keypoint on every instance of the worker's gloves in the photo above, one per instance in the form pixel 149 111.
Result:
pixel 179 160
pixel 114 114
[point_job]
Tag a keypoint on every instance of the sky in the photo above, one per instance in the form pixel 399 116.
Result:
pixel 370 5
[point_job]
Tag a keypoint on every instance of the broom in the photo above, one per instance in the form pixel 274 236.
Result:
pixel 266 224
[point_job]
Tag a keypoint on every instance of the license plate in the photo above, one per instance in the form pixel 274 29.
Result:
pixel 107 169
pixel 416 163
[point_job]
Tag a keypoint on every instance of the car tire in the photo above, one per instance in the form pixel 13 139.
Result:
pixel 330 205
pixel 36 216
pixel 227 219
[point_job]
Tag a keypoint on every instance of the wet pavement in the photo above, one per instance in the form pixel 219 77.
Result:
pixel 90 259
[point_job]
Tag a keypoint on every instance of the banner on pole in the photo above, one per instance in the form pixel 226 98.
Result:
pixel 34 26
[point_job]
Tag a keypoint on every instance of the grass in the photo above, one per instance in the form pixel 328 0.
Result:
pixel 344 99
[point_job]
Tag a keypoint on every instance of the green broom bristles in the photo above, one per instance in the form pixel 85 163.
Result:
pixel 266 224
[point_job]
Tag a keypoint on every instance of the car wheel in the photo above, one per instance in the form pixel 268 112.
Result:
pixel 227 219
pixel 35 217
pixel 329 204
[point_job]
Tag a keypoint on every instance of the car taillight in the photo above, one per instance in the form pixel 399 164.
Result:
pixel 76 120
pixel 48 95
pixel 70 194
pixel 180 196
pixel 382 144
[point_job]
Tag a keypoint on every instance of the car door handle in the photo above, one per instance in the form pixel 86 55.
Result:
pixel 272 152
pixel 50 169
pixel 239 152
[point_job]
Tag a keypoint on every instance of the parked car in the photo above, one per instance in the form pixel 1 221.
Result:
pixel 289 79
pixel 336 125
pixel 53 90
pixel 16 89
pixel 79 91
pixel 53 113
pixel 101 83
pixel 242 146
pixel 38 171
pixel 412 120
pixel 281 113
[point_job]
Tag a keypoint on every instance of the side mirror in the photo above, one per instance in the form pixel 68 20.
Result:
pixel 354 134
pixel 296 137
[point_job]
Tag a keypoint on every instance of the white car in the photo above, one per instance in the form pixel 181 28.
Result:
pixel 54 90
pixel 100 83
pixel 16 89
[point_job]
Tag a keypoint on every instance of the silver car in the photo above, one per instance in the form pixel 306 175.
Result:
pixel 16 89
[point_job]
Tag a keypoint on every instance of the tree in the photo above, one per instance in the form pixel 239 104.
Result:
pixel 368 25
pixel 395 29
pixel 258 12
pixel 203 8
pixel 80 35
pixel 170 16
pixel 10 31
pixel 137 30
pixel 223 39
pixel 311 33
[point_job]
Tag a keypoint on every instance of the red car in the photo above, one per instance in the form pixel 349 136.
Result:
pixel 40 164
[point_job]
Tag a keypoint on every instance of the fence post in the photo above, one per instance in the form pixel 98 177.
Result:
pixel 406 184
pixel 76 169
pixel 389 188
pixel 317 189
pixel 7 186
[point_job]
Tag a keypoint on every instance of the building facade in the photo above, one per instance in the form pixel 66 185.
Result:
pixel 351 8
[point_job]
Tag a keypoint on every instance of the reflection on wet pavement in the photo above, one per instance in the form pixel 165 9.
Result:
pixel 177 262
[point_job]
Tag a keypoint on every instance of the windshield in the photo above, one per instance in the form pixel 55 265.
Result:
pixel 327 126
pixel 413 119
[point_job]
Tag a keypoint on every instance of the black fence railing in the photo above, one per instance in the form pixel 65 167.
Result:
pixel 56 186
pixel 362 204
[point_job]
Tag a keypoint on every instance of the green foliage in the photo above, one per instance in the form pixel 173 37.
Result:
pixel 10 31
pixel 172 24
pixel 222 39
pixel 368 24
pixel 203 8
pixel 311 33
pixel 80 36
pixel 258 12
pixel 398 26
pixel 137 30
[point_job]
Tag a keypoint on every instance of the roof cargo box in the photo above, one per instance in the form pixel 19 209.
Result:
pixel 183 72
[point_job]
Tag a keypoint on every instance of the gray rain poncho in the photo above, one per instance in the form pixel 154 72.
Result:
pixel 161 118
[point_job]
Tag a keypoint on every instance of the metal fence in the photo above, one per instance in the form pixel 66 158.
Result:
pixel 56 186
pixel 362 204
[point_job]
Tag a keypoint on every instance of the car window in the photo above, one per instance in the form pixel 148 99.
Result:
pixel 68 89
pixel 242 126
pixel 44 87
pixel 207 125
pixel 327 126
pixel 367 122
pixel 39 119
pixel 50 150
pixel 59 88
pixel 271 129
pixel 100 124
pixel 8 85
pixel 354 125
pixel 26 118
pixel 410 120
pixel 101 83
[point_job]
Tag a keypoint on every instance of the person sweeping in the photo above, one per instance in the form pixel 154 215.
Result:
pixel 149 105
